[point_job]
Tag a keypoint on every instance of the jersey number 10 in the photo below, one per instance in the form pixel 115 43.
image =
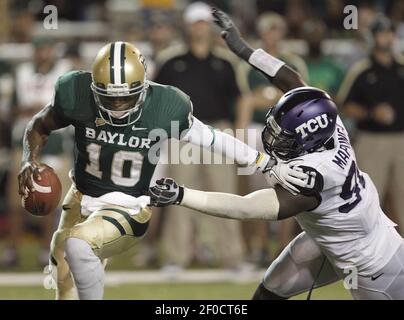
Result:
pixel 118 161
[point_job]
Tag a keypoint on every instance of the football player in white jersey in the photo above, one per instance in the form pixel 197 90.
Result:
pixel 344 228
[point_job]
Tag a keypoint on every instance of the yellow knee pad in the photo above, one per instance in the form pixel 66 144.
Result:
pixel 112 230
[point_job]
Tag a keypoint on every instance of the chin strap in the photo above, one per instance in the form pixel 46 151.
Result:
pixel 126 123
pixel 128 114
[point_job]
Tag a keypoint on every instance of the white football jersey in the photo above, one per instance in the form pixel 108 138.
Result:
pixel 348 225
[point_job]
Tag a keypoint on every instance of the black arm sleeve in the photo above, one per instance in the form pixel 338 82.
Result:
pixel 286 79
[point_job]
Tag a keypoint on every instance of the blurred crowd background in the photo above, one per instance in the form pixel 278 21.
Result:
pixel 361 68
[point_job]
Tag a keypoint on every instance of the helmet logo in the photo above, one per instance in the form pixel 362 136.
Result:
pixel 143 61
pixel 313 125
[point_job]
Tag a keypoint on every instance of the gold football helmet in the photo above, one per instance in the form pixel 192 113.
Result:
pixel 119 83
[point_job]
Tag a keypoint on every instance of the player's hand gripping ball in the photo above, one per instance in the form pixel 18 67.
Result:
pixel 44 196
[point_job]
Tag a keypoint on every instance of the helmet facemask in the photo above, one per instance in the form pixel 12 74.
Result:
pixel 278 142
pixel 120 105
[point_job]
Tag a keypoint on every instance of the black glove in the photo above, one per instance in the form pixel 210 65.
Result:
pixel 165 192
pixel 231 35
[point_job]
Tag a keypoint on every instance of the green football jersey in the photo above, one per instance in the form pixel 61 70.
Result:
pixel 110 158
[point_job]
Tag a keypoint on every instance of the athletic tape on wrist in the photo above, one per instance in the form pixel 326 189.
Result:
pixel 265 62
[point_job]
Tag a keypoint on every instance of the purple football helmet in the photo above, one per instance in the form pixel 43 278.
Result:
pixel 301 122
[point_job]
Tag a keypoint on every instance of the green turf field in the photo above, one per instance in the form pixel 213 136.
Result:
pixel 29 249
pixel 207 291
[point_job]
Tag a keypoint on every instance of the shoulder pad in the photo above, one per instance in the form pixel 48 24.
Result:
pixel 314 183
pixel 72 99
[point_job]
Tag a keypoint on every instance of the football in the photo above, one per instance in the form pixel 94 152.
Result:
pixel 46 197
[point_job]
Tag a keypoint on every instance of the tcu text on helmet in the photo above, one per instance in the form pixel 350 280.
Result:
pixel 313 125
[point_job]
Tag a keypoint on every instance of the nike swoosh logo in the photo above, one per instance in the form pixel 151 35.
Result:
pixel 376 277
pixel 65 207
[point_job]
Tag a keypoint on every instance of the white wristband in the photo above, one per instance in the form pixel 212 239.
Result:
pixel 265 62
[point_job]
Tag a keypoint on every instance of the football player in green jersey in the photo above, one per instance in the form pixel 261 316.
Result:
pixel 113 111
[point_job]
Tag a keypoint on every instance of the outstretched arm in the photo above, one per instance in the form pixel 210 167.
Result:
pixel 266 204
pixel 281 75
pixel 205 136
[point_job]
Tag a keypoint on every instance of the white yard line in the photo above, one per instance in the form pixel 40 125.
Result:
pixel 116 278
